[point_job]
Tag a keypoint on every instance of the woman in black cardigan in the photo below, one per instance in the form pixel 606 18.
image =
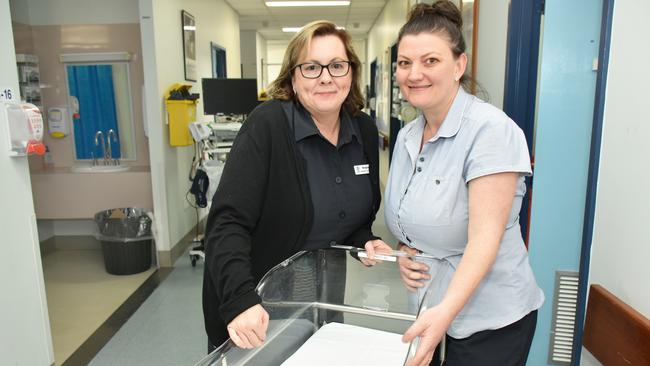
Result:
pixel 302 174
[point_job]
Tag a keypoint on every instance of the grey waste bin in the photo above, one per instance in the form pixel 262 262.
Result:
pixel 125 234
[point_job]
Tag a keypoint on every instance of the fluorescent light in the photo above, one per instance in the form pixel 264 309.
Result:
pixel 95 57
pixel 307 3
pixel 297 29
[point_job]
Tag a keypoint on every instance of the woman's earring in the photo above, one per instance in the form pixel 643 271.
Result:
pixel 457 78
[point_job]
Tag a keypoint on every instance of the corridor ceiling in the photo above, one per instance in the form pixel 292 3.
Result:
pixel 357 18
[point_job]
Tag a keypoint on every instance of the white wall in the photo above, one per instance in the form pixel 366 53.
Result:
pixel 380 38
pixel 25 337
pixel 260 53
pixel 491 53
pixel 274 55
pixel 45 229
pixel 57 12
pixel 248 40
pixel 50 228
pixel 163 63
pixel 359 46
pixel 253 50
pixel 19 11
pixel 620 250
pixel 73 227
pixel 587 359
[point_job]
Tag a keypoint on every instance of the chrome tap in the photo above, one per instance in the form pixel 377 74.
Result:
pixel 111 132
pixel 99 136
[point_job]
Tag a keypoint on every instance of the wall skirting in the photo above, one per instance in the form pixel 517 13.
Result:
pixel 167 258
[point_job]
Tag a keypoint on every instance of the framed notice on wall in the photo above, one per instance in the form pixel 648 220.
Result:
pixel 189 45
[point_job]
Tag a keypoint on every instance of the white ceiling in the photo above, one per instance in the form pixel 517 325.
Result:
pixel 357 18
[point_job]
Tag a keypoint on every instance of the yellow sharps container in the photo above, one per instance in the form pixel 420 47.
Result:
pixel 181 111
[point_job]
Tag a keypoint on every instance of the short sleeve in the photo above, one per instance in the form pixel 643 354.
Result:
pixel 498 146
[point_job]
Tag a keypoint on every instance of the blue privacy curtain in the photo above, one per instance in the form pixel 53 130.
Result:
pixel 92 85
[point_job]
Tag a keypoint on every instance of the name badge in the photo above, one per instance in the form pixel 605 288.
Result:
pixel 362 169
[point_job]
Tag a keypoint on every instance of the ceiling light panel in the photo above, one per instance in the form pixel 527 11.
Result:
pixel 306 3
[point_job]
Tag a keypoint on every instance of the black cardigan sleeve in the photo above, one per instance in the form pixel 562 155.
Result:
pixel 370 138
pixel 234 213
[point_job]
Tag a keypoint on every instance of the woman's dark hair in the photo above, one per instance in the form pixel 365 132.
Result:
pixel 443 18
pixel 282 88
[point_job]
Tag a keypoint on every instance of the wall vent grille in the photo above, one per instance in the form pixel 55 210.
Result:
pixel 565 300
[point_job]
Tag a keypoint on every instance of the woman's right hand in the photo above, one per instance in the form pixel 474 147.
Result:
pixel 413 273
pixel 375 247
pixel 248 329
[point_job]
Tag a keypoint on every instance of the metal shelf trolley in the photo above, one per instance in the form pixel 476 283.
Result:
pixel 213 143
pixel 327 308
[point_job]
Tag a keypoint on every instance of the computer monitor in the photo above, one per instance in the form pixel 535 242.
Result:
pixel 229 96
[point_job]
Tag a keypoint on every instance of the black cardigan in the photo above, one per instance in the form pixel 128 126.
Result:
pixel 262 212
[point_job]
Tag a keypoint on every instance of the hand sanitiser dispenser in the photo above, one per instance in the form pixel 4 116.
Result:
pixel 58 122
pixel 25 126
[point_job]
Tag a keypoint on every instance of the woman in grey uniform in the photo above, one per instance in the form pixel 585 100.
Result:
pixel 454 191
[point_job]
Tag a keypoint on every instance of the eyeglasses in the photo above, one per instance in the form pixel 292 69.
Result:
pixel 337 69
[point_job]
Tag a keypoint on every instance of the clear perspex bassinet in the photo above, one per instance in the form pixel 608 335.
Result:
pixel 327 308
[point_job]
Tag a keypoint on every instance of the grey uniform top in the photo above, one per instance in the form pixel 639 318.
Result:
pixel 426 205
pixel 338 177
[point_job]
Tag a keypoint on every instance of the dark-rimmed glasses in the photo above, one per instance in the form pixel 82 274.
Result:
pixel 312 70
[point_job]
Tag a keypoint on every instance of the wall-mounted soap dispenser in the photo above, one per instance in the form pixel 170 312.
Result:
pixel 25 126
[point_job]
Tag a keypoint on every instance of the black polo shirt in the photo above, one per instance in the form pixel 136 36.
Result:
pixel 338 177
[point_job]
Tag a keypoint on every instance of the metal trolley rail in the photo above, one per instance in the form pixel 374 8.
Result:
pixel 327 308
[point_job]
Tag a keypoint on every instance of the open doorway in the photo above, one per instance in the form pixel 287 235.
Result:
pixel 81 176
pixel 218 60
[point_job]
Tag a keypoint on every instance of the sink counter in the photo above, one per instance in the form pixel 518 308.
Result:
pixel 61 194
pixel 69 170
pixel 93 169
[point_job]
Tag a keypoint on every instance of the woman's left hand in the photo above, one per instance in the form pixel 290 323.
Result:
pixel 431 326
pixel 372 247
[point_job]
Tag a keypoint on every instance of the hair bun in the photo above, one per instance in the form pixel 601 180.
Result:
pixel 441 8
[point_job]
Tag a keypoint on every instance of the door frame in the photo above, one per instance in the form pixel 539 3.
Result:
pixel 592 178
pixel 522 62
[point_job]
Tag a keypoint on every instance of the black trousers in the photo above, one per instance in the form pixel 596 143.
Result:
pixel 507 346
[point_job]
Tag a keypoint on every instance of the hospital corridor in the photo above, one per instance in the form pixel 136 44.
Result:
pixel 306 182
